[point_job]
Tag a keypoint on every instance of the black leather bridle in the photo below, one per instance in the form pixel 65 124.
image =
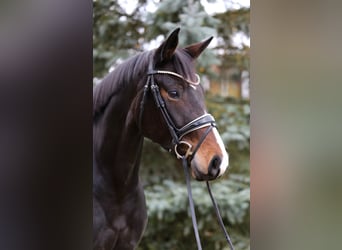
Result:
pixel 177 134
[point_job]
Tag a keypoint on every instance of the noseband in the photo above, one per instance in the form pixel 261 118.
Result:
pixel 177 134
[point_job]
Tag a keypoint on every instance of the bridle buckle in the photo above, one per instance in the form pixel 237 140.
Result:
pixel 188 151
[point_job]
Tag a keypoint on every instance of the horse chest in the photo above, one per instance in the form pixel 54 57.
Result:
pixel 124 219
pixel 128 211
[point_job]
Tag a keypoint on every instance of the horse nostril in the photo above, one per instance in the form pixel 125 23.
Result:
pixel 214 166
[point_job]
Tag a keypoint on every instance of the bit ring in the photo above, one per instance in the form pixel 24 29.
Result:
pixel 188 150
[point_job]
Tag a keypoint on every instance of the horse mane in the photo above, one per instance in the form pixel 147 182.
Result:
pixel 125 73
pixel 132 70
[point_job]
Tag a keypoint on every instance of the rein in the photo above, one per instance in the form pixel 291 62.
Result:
pixel 177 134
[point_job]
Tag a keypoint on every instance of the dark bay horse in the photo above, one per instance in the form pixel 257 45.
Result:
pixel 157 95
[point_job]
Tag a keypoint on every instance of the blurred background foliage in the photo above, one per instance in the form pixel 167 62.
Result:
pixel 124 28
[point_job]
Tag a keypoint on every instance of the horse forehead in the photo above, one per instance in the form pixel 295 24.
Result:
pixel 197 95
pixel 194 103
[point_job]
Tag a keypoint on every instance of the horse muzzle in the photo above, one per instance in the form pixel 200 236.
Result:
pixel 211 160
pixel 211 171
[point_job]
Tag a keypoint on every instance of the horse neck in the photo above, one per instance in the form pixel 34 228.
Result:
pixel 118 142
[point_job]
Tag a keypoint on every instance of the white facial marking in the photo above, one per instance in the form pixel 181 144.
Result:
pixel 225 158
pixel 192 86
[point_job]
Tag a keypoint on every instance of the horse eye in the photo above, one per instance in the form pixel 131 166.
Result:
pixel 173 94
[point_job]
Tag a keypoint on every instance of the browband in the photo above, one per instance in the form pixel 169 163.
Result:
pixel 152 72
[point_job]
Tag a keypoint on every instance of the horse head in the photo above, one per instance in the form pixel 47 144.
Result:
pixel 172 109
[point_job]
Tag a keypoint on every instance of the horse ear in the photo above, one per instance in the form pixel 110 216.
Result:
pixel 194 50
pixel 167 48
